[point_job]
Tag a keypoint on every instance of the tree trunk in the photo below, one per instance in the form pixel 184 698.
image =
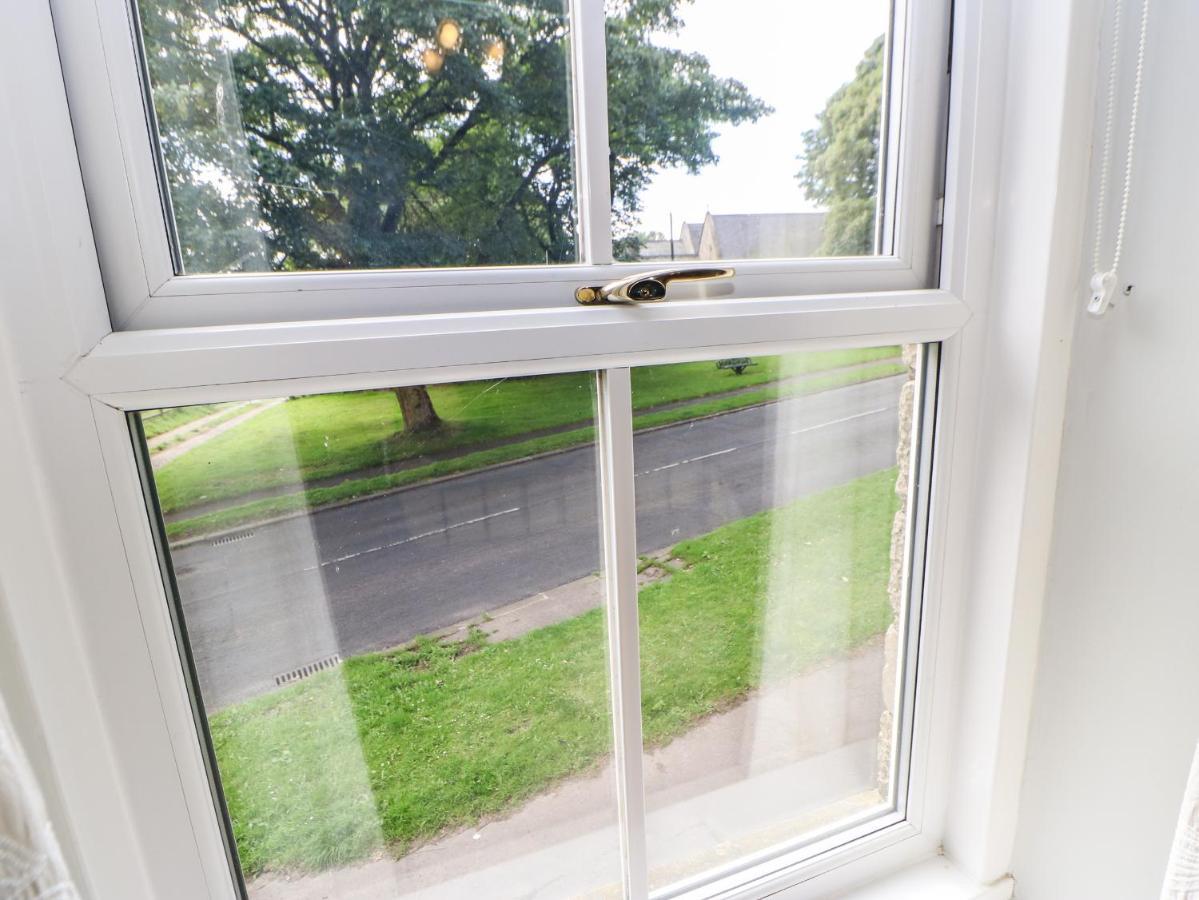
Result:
pixel 417 408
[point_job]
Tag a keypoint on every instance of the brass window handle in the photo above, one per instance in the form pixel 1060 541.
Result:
pixel 647 287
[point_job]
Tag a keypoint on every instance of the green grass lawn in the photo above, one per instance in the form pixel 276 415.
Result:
pixel 395 748
pixel 156 422
pixel 309 438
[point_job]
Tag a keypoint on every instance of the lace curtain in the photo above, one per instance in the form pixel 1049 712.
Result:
pixel 31 865
pixel 1182 873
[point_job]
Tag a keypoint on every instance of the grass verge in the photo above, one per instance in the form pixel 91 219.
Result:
pixel 321 436
pixel 164 420
pixel 314 498
pixel 231 413
pixel 395 748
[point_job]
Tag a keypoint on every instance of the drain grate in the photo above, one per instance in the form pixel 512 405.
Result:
pixel 233 538
pixel 311 669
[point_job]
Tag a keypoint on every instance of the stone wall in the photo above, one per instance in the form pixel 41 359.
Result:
pixel 903 458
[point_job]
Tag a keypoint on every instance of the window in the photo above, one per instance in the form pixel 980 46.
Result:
pixel 456 573
pixel 298 138
pixel 394 604
pixel 815 187
pixel 407 692
pixel 434 150
pixel 307 137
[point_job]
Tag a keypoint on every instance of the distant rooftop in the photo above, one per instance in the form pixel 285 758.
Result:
pixel 661 249
pixel 743 236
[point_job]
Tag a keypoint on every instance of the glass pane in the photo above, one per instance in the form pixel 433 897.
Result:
pixel 746 131
pixel 359 135
pixel 393 607
pixel 771 534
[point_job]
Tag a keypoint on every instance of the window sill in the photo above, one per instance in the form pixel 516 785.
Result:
pixel 934 879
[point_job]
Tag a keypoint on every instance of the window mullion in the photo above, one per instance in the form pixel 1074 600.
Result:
pixel 589 87
pixel 615 442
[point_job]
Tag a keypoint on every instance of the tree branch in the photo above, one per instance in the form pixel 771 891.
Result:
pixel 452 141
pixel 514 198
pixel 288 64
pixel 270 138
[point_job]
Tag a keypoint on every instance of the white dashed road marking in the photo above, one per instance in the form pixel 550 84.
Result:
pixel 683 462
pixel 417 537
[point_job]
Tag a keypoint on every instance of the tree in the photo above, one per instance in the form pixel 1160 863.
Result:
pixel 663 106
pixel 352 134
pixel 840 159
pixel 416 406
pixel 204 149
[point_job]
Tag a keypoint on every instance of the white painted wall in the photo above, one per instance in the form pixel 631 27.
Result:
pixel 17 489
pixel 1116 710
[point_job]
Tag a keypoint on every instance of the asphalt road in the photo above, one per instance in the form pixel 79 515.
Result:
pixel 376 573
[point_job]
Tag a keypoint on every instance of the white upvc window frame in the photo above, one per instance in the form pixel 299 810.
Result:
pixel 129 371
pixel 99 658
pixel 114 129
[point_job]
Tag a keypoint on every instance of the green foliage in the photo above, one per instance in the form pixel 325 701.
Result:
pixel 841 158
pixel 204 149
pixel 397 747
pixel 304 135
pixel 662 108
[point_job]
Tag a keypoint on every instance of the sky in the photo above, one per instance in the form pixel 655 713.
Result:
pixel 790 53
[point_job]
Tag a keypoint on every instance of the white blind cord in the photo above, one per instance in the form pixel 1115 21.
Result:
pixel 1103 282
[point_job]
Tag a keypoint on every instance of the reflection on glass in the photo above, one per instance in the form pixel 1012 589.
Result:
pixel 770 600
pixel 360 135
pixel 399 642
pixel 745 132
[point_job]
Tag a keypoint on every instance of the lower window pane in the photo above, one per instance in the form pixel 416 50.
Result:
pixel 395 620
pixel 771 535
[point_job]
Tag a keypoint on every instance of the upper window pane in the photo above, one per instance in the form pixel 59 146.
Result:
pixel 746 131
pixel 303 135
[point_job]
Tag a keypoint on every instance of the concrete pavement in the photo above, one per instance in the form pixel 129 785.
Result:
pixel 791 758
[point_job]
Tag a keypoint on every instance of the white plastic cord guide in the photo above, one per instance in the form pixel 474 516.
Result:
pixel 1104 281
